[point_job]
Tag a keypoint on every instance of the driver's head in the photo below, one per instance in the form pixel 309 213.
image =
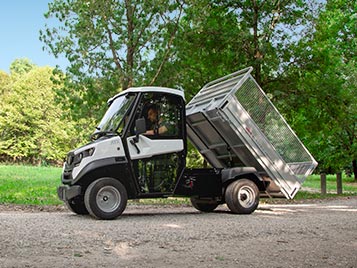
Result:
pixel 152 113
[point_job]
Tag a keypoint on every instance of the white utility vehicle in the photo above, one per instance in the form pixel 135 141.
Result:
pixel 139 150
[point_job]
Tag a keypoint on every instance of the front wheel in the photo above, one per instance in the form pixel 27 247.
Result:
pixel 203 205
pixel 242 196
pixel 77 206
pixel 106 198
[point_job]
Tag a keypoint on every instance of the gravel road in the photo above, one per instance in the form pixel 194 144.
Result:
pixel 319 234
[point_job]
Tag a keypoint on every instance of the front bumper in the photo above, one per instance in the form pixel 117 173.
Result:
pixel 66 192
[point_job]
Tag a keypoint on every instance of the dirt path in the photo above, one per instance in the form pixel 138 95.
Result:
pixel 321 234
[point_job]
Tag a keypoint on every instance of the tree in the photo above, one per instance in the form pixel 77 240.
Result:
pixel 219 37
pixel 21 66
pixel 33 128
pixel 4 81
pixel 108 44
pixel 325 72
pixel 269 28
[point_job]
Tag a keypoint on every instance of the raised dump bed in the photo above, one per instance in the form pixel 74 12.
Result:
pixel 232 123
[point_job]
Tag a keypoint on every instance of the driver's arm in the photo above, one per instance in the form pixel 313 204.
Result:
pixel 160 130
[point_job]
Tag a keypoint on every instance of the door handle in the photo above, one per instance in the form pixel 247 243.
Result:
pixel 132 142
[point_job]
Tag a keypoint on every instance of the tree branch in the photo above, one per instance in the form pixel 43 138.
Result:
pixel 168 49
pixel 114 53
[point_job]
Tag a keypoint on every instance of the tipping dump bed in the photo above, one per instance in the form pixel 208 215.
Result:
pixel 234 124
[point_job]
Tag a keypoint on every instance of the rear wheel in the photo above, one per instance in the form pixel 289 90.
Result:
pixel 77 206
pixel 242 196
pixel 203 205
pixel 106 198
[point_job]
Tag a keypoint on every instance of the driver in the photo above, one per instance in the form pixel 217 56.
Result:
pixel 156 125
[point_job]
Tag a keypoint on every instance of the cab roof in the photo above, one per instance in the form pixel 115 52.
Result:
pixel 150 89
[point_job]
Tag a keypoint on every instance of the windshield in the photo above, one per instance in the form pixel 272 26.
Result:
pixel 114 118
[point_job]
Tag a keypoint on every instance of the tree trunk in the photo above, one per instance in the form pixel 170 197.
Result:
pixel 354 168
pixel 128 77
pixel 257 53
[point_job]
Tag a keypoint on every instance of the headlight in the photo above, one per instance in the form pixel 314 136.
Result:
pixel 69 158
pixel 78 157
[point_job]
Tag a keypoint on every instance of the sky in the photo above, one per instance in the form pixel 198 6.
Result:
pixel 20 23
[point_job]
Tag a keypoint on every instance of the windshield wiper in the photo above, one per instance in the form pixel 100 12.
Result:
pixel 98 134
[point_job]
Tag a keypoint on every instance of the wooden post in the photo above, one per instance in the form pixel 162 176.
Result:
pixel 323 183
pixel 339 182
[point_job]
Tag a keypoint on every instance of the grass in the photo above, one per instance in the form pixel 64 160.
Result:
pixel 312 185
pixel 31 185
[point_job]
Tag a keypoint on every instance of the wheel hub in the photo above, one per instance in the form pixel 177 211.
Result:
pixel 246 196
pixel 108 199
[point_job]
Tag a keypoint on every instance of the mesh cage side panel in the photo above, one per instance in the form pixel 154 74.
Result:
pixel 271 123
pixel 215 90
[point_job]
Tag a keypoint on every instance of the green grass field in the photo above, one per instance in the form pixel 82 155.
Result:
pixel 31 185
pixel 311 187
pixel 348 184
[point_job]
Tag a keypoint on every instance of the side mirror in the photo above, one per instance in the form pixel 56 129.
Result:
pixel 140 126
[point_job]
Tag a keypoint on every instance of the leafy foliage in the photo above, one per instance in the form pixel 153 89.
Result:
pixel 219 37
pixel 33 127
pixel 4 81
pixel 108 45
pixel 21 66
pixel 325 104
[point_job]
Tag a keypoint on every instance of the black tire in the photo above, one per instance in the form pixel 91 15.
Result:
pixel 203 206
pixel 242 196
pixel 76 205
pixel 105 198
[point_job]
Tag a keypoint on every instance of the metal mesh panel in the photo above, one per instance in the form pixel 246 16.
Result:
pixel 273 126
pixel 218 89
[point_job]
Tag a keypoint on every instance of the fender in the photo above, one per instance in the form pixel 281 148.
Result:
pixel 229 174
pixel 114 167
